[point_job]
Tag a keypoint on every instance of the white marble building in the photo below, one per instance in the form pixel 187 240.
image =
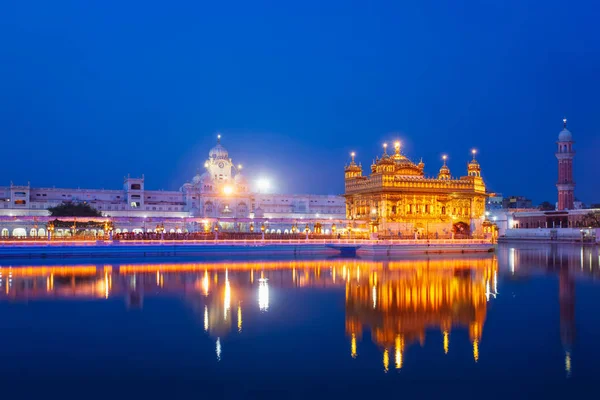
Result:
pixel 220 193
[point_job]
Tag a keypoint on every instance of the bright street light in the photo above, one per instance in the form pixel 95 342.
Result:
pixel 227 190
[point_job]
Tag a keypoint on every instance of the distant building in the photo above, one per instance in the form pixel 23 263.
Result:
pixel 220 193
pixel 495 201
pixel 516 202
pixel 565 183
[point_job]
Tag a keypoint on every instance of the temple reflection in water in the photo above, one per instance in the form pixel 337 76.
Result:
pixel 399 302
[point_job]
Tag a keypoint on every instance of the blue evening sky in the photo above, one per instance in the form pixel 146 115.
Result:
pixel 91 91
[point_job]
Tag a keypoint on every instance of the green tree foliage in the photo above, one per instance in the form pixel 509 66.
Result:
pixel 74 210
pixel 546 206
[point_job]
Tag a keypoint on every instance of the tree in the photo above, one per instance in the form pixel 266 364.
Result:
pixel 546 206
pixel 591 220
pixel 74 210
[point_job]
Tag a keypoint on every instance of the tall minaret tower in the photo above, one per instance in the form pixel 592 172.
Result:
pixel 565 154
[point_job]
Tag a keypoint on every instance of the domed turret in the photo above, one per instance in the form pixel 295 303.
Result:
pixel 218 152
pixel 353 170
pixel 421 165
pixel 565 135
pixel 473 167
pixel 444 171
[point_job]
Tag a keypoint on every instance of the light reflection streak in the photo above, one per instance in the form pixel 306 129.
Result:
pixel 227 297
pixel 206 318
pixel 386 361
pixel 446 342
pixel 218 349
pixel 263 294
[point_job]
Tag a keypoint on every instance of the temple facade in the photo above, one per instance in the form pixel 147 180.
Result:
pixel 398 199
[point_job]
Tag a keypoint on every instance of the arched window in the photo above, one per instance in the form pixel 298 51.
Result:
pixel 33 232
pixel 19 232
pixel 4 232
pixel 41 232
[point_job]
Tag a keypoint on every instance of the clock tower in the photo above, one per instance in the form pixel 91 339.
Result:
pixel 219 165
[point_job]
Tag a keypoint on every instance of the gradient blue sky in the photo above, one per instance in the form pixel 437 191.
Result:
pixel 91 91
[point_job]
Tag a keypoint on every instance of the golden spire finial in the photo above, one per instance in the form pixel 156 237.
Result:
pixel 565 123
pixel 385 149
pixel 239 166
pixel 397 146
pixel 474 152
pixel 353 154
pixel 444 157
pixel 218 138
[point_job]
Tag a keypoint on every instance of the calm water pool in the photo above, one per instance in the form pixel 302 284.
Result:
pixel 526 318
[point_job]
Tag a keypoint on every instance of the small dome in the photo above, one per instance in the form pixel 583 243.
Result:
pixel 219 152
pixel 565 136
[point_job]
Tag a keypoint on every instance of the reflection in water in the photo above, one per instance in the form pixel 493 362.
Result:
pixel 399 302
pixel 398 305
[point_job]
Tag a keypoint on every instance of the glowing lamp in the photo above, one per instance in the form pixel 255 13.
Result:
pixel 263 184
pixel 228 190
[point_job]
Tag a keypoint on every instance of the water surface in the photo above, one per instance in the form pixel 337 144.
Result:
pixel 524 320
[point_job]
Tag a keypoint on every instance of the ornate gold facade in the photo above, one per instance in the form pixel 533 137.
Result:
pixel 398 199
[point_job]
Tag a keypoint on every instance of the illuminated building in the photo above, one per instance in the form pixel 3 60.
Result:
pixel 397 197
pixel 220 192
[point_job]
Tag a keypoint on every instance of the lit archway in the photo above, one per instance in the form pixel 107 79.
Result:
pixel 41 232
pixel 33 232
pixel 19 232
pixel 4 232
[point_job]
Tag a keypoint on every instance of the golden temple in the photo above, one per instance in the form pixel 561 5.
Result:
pixel 397 199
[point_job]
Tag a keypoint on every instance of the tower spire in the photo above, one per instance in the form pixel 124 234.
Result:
pixel 218 138
pixel 385 149
pixel 353 154
pixel 565 123
pixel 474 152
